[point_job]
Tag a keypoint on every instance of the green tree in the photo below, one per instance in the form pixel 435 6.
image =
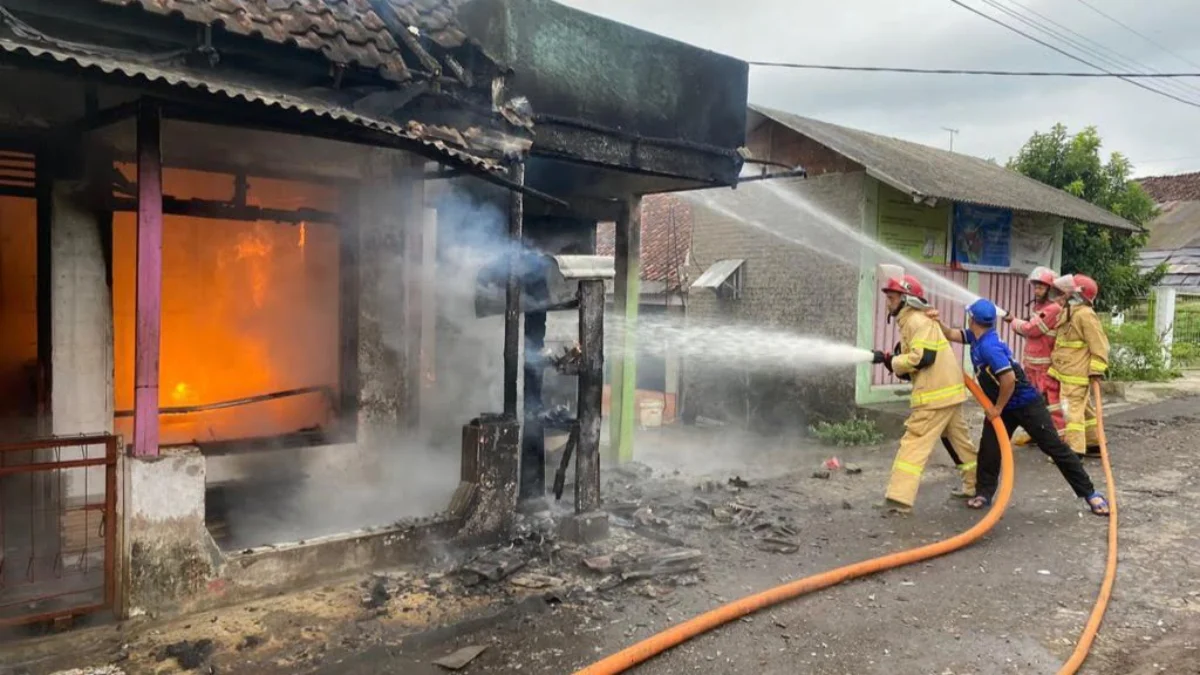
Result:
pixel 1073 164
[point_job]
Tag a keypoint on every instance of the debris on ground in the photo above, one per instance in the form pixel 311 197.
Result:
pixel 833 464
pixel 190 655
pixel 739 483
pixel 461 658
pixel 493 566
pixel 778 545
pixel 379 595
pixel 822 475
pixel 853 469
pixel 98 670
pixel 535 580
pixel 669 561
pixel 646 518
pixel 250 642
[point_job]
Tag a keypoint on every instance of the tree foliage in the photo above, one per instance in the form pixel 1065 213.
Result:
pixel 1073 163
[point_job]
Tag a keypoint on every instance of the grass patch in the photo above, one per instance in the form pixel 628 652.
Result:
pixel 853 432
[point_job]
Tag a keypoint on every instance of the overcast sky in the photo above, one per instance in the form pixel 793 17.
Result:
pixel 994 116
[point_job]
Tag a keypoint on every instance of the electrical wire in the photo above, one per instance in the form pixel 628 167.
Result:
pixel 1073 57
pixel 962 71
pixel 1103 54
pixel 1145 37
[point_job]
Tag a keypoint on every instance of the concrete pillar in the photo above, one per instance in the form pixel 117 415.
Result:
pixel 169 556
pixel 1164 319
pixel 626 291
pixel 81 321
pixel 81 328
pixel 383 333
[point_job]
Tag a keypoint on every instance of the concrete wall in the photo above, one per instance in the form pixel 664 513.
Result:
pixel 784 286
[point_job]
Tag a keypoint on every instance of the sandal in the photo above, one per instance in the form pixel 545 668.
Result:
pixel 978 502
pixel 1098 504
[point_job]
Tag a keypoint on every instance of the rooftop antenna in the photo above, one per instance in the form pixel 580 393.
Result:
pixel 952 134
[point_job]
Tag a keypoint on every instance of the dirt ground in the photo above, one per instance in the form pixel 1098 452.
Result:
pixel 753 515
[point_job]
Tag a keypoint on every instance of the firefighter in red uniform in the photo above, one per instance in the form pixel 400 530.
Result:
pixel 1039 332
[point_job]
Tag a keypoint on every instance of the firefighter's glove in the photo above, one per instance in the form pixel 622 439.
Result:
pixel 885 358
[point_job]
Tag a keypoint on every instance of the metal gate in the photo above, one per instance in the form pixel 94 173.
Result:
pixel 58 528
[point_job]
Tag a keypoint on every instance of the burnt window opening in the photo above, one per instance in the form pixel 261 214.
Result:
pixel 253 332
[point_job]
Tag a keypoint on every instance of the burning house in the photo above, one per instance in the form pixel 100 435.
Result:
pixel 239 254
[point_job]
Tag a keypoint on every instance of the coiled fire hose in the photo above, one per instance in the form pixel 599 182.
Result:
pixel 672 637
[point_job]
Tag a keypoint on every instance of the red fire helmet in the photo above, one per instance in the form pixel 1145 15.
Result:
pixel 1087 287
pixel 1066 284
pixel 906 285
pixel 1042 275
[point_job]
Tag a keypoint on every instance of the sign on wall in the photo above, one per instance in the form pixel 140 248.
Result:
pixel 1033 245
pixel 914 230
pixel 982 238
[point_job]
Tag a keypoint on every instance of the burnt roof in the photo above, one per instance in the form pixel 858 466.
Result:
pixel 345 31
pixel 446 144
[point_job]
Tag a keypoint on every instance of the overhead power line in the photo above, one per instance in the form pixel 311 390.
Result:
pixel 1119 76
pixel 1138 33
pixel 1082 44
pixel 961 71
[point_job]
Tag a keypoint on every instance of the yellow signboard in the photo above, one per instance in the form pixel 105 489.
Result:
pixel 914 230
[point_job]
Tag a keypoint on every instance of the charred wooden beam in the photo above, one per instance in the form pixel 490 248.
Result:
pixel 148 331
pixel 591 390
pixel 215 210
pixel 43 192
pixel 533 439
pixel 512 295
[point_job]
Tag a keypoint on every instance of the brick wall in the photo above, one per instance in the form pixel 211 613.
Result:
pixel 784 286
pixel 774 142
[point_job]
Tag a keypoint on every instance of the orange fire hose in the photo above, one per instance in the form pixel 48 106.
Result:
pixel 1084 646
pixel 676 635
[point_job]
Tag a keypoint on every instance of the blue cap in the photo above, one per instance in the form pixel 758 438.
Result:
pixel 983 312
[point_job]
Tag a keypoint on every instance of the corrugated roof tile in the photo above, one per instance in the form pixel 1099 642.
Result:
pixel 345 31
pixel 924 171
pixel 259 93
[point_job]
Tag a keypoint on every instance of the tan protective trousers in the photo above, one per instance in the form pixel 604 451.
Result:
pixel 1080 414
pixel 922 431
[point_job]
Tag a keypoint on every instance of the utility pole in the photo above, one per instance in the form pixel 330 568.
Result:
pixel 952 133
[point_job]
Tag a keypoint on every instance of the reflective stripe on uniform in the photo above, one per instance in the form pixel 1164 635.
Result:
pixel 1038 360
pixel 1054 407
pixel 1071 344
pixel 906 467
pixel 1067 379
pixel 1076 426
pixel 1043 327
pixel 1090 423
pixel 921 398
pixel 969 466
pixel 933 346
pixel 1098 366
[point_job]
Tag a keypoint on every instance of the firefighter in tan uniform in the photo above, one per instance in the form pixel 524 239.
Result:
pixel 1080 355
pixel 938 394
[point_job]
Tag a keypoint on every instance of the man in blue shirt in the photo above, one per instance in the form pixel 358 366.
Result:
pixel 1018 404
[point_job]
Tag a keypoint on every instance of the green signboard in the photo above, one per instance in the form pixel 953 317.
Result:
pixel 914 230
